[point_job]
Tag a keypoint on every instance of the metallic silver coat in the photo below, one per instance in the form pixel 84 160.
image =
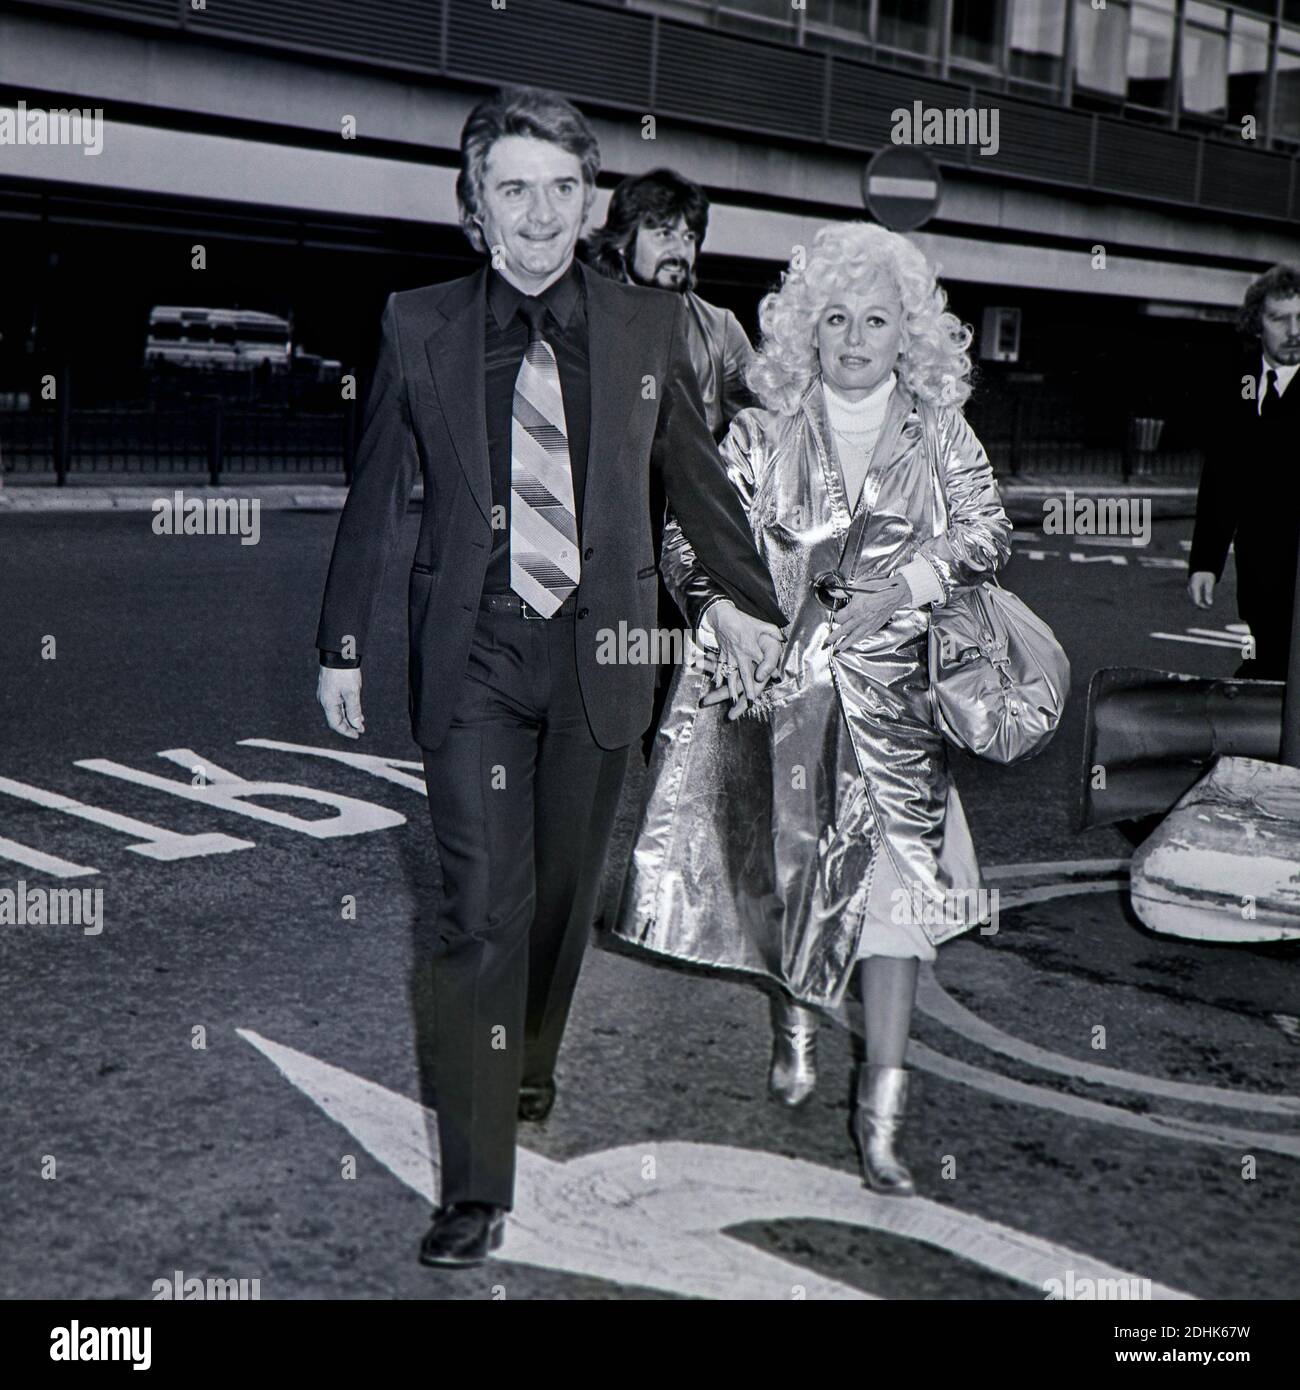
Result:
pixel 760 839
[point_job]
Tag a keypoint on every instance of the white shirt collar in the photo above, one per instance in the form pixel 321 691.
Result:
pixel 1284 375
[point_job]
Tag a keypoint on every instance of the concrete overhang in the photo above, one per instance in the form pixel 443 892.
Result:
pixel 152 160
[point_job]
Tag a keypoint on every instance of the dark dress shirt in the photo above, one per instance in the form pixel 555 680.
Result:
pixel 504 341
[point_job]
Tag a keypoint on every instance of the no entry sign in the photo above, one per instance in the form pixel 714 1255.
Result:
pixel 901 187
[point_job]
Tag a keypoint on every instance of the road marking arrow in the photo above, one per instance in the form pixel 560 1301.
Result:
pixel 597 1215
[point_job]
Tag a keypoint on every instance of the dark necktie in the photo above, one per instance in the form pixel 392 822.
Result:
pixel 1272 399
pixel 544 566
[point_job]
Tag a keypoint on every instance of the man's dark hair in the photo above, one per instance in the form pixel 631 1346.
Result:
pixel 518 111
pixel 1278 282
pixel 656 199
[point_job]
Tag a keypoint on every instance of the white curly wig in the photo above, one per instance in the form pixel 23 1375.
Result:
pixel 933 363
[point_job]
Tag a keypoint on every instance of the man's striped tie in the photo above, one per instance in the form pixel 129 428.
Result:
pixel 544 567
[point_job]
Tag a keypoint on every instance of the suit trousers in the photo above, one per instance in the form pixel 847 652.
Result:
pixel 1266 608
pixel 523 800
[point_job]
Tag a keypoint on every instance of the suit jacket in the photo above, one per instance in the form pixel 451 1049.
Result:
pixel 425 412
pixel 1249 496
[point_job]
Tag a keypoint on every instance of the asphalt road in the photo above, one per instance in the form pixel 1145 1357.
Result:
pixel 283 1141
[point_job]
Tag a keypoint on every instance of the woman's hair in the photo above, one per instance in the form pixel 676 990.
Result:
pixel 518 111
pixel 932 363
pixel 1278 282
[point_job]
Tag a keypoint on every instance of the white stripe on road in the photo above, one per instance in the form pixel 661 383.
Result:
pixel 594 1219
pixel 224 790
pixel 653 1215
pixel 933 1000
pixel 1241 1141
pixel 1024 897
pixel 386 768
pixel 44 863
pixel 157 842
pixel 1062 868
pixel 1198 641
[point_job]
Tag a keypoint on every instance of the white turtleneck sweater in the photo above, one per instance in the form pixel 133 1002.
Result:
pixel 856 427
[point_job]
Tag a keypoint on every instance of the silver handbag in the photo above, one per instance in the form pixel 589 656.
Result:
pixel 998 676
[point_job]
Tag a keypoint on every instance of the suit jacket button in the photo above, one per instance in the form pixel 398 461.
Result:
pixel 582 612
pixel 588 553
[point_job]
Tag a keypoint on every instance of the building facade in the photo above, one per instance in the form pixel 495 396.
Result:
pixel 1144 167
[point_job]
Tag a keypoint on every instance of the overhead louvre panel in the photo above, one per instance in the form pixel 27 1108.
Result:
pixel 739 83
pixel 399 33
pixel 1038 141
pixel 863 100
pixel 571 49
pixel 1235 176
pixel 1153 163
pixel 633 61
pixel 152 11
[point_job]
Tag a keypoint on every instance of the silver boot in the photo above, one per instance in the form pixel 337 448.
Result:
pixel 793 1077
pixel 882 1098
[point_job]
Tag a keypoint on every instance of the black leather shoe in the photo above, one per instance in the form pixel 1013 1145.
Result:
pixel 464 1233
pixel 535 1102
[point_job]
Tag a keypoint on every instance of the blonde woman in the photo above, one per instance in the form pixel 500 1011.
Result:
pixel 826 838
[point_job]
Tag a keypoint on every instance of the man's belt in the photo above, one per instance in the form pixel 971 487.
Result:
pixel 512 603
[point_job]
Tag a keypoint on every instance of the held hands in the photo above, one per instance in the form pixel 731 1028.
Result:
pixel 870 608
pixel 1200 589
pixel 749 654
pixel 339 691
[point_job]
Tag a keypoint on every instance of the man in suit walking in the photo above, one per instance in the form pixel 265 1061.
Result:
pixel 1250 486
pixel 535 397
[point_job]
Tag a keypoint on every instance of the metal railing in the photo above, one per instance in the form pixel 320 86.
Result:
pixel 208 436
pixel 1022 434
pixel 1025 434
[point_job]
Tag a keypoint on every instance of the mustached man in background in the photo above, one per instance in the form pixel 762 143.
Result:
pixel 654 231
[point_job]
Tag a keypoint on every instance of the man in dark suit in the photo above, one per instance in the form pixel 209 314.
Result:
pixel 1250 486
pixel 534 397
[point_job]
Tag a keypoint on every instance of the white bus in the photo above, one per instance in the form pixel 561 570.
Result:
pixel 220 340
